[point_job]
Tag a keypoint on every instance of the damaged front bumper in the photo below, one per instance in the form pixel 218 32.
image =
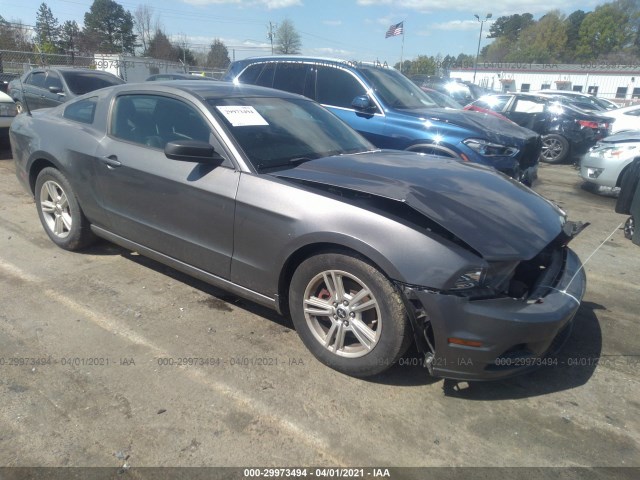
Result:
pixel 483 339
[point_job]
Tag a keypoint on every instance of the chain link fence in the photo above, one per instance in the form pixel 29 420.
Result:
pixel 127 67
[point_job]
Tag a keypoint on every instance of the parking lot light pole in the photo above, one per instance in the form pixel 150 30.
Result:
pixel 475 69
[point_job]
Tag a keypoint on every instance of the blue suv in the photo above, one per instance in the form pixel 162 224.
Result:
pixel 392 112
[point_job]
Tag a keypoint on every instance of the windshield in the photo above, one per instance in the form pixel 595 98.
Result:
pixel 83 82
pixel 396 90
pixel 278 132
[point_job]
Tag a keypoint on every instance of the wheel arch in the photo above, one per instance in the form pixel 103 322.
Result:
pixel 309 250
pixel 38 162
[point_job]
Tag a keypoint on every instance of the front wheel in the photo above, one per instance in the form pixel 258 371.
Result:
pixel 629 228
pixel 348 314
pixel 555 148
pixel 60 212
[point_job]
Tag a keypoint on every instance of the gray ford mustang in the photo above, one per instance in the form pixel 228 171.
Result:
pixel 270 196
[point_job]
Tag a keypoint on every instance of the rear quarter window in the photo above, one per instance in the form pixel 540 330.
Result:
pixel 82 111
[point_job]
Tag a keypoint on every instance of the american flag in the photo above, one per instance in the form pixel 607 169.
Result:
pixel 397 29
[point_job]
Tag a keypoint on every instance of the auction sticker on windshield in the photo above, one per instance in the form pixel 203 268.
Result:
pixel 242 115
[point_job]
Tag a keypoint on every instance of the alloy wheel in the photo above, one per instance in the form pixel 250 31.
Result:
pixel 342 313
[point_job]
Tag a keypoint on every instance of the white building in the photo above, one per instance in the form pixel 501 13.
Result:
pixel 620 83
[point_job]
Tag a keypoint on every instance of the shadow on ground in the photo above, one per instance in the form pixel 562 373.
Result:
pixel 572 367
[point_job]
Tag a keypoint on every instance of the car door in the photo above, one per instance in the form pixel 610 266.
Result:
pixel 182 209
pixel 52 93
pixel 336 88
pixel 528 112
pixel 33 89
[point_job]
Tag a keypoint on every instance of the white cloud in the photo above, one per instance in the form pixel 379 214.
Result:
pixel 270 4
pixel 329 52
pixel 458 25
pixel 497 7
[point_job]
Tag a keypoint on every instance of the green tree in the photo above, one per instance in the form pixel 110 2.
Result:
pixel 218 56
pixel 109 27
pixel 161 48
pixel 510 26
pixel 423 65
pixel 542 42
pixel 47 29
pixel 607 29
pixel 572 25
pixel 287 38
pixel 69 37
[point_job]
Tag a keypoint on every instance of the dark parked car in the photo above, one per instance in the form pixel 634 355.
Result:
pixel 270 196
pixel 392 112
pixel 566 130
pixel 51 86
pixel 629 200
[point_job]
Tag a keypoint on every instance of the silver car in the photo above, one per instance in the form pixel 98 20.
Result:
pixel 270 196
pixel 606 162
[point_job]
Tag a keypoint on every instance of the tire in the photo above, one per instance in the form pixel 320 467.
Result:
pixel 348 314
pixel 555 148
pixel 19 106
pixel 628 187
pixel 629 228
pixel 60 212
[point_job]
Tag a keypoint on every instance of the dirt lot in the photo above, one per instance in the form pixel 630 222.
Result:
pixel 112 328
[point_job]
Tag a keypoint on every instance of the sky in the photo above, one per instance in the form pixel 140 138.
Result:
pixel 346 29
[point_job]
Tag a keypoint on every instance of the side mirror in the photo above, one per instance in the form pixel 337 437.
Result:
pixel 57 90
pixel 192 151
pixel 362 102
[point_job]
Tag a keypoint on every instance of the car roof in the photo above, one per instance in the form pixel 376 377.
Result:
pixel 206 90
pixel 299 58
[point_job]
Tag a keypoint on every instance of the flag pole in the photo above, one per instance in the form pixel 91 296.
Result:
pixel 402 48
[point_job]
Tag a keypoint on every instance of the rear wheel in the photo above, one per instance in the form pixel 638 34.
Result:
pixel 348 314
pixel 555 148
pixel 60 212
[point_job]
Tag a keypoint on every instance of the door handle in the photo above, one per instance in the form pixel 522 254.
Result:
pixel 111 161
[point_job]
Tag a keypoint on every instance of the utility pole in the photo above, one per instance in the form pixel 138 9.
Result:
pixel 271 34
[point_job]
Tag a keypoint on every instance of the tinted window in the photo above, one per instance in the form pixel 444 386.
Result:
pixel 36 79
pixel 53 80
pixel 265 78
pixel 251 73
pixel 395 89
pixel 154 120
pixel 275 132
pixel 80 82
pixel 82 111
pixel 337 87
pixel 291 77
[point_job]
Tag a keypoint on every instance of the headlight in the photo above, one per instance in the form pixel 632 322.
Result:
pixel 617 151
pixel 469 279
pixel 488 149
pixel 8 110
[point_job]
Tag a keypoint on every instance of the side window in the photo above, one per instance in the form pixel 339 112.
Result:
pixel 36 79
pixel 527 106
pixel 337 87
pixel 291 77
pixel 265 79
pixel 251 73
pixel 52 80
pixel 82 111
pixel 154 120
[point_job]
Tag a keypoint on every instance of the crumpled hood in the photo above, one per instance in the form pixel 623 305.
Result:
pixel 488 126
pixel 498 217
